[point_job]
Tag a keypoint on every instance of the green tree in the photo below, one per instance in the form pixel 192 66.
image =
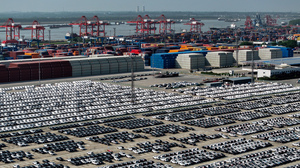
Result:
pixel 294 22
pixel 288 43
pixel 246 43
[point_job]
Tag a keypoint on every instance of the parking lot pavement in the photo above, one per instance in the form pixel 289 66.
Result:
pixel 100 148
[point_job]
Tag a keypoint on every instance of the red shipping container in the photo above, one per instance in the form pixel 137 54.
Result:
pixel 14 54
pixel 136 51
pixel 66 68
pixel 34 74
pixel 33 65
pixel 47 56
pixel 24 74
pixel 13 74
pixel 3 73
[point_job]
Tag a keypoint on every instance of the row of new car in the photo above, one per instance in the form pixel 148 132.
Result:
pixel 245 115
pixel 267 158
pixel 281 136
pixel 156 147
pixel 278 110
pixel 88 131
pixel 141 163
pixel 38 138
pixel 244 129
pixel 176 117
pixel 116 138
pixel 240 91
pixel 208 122
pixel 70 146
pixel 134 123
pixel 10 157
pixel 238 146
pixel 44 164
pixel 212 111
pixel 96 158
pixel 78 101
pixel 159 131
pixel 189 157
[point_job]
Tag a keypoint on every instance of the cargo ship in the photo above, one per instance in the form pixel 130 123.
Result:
pixel 59 26
pixel 69 36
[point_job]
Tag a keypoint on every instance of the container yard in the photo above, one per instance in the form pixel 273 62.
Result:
pixel 158 98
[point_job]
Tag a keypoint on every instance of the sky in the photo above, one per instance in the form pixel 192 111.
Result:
pixel 150 5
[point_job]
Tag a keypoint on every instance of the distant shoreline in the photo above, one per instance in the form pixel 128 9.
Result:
pixel 68 17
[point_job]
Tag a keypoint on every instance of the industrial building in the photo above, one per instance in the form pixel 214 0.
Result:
pixel 240 80
pixel 190 61
pixel 271 72
pixel 219 59
pixel 76 66
pixel 245 55
pixel 293 61
pixel 269 53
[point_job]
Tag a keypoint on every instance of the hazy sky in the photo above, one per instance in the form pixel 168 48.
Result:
pixel 150 5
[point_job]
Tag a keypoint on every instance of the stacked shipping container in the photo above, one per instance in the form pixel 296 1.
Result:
pixel 190 61
pixel 4 73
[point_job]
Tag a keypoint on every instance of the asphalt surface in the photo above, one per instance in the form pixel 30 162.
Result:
pixel 97 147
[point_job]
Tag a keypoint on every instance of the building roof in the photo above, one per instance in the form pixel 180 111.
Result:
pixel 238 79
pixel 278 61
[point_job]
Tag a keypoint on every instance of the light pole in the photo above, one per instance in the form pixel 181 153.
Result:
pixel 237 49
pixel 49 36
pixel 252 67
pixel 132 81
pixel 71 34
pixel 39 72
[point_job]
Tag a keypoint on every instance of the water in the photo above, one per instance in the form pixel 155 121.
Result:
pixel 59 34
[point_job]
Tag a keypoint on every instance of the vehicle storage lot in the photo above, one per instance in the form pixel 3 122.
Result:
pixel 100 148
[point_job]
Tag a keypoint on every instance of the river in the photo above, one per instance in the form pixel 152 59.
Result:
pixel 122 29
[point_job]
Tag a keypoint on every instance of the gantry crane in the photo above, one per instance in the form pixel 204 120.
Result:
pixel 165 25
pixel 149 24
pixel 248 23
pixel 196 25
pixel 99 25
pixel 93 27
pixel 83 26
pixel 270 21
pixel 12 29
pixel 144 25
pixel 37 31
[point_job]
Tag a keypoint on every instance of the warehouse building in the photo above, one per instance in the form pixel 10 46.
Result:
pixel 219 59
pixel 190 61
pixel 241 80
pixel 271 72
pixel 269 53
pixel 245 55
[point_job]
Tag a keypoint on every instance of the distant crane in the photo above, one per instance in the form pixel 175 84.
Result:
pixel 83 26
pixel 144 25
pixel 37 31
pixel 248 23
pixel 165 25
pixel 99 25
pixel 12 29
pixel 270 21
pixel 149 24
pixel 93 27
pixel 196 25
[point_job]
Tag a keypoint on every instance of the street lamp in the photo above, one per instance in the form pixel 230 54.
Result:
pixel 49 36
pixel 132 81
pixel 252 66
pixel 237 48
